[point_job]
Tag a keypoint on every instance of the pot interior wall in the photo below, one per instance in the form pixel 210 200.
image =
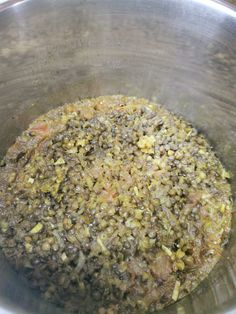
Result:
pixel 181 53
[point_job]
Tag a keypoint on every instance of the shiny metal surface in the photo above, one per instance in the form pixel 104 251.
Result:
pixel 181 53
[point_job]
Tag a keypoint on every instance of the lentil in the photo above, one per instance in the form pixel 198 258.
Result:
pixel 117 205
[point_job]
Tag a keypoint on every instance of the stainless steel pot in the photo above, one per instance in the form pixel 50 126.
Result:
pixel 181 53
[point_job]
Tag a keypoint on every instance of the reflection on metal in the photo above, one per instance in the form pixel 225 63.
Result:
pixel 10 4
pixel 18 2
pixel 218 6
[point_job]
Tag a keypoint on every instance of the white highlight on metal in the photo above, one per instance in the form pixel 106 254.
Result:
pixel 218 6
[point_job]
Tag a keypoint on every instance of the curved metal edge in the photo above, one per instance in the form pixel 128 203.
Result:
pixel 225 3
pixel 10 4
pixel 220 5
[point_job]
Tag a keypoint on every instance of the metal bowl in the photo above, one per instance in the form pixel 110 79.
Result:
pixel 181 53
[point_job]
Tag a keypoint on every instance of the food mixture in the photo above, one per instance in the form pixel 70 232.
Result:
pixel 113 205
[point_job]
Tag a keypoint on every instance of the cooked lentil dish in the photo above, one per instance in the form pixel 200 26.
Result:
pixel 113 205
